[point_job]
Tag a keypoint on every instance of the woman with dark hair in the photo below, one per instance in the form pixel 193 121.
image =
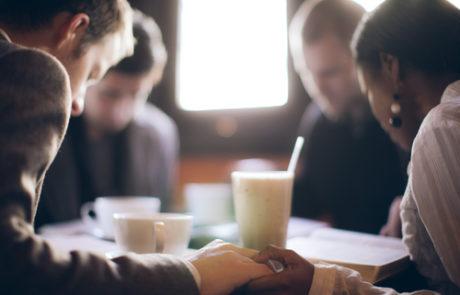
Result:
pixel 408 53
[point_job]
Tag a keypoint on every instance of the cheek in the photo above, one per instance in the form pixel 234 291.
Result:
pixel 380 108
pixel 81 75
pixel 348 85
pixel 96 106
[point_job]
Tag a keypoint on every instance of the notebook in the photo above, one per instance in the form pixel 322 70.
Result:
pixel 374 257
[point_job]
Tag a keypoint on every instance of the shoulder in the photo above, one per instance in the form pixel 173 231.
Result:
pixel 444 119
pixel 435 148
pixel 29 74
pixel 32 62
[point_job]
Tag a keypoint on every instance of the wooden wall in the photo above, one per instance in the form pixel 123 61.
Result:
pixel 204 169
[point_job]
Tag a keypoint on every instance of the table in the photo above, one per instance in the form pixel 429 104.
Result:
pixel 229 231
pixel 74 235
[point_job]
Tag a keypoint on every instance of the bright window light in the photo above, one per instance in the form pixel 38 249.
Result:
pixel 232 54
pixel 371 4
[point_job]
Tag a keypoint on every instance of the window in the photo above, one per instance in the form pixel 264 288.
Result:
pixel 232 54
pixel 371 4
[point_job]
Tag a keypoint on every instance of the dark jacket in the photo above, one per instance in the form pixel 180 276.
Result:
pixel 350 172
pixel 140 160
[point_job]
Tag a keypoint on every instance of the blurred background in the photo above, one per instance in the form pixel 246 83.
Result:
pixel 229 83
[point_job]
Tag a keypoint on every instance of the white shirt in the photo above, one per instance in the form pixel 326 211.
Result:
pixel 430 209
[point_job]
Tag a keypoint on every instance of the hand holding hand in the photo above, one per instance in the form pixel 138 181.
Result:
pixel 296 278
pixel 393 226
pixel 223 267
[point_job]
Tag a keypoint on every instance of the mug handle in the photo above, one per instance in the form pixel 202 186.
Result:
pixel 86 208
pixel 159 236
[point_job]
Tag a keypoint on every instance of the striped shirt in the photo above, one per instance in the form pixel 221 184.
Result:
pixel 430 209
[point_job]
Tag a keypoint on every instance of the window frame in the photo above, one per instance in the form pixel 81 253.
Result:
pixel 261 131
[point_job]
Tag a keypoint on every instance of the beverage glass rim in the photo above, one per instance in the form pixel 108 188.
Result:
pixel 151 216
pixel 125 198
pixel 263 174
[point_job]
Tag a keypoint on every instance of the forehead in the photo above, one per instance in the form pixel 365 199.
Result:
pixel 327 51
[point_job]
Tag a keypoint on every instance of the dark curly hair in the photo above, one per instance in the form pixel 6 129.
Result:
pixel 423 34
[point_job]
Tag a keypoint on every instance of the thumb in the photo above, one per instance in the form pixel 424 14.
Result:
pixel 258 270
pixel 270 252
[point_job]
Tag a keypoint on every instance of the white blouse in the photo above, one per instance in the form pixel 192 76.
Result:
pixel 430 209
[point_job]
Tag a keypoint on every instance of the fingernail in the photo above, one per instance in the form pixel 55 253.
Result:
pixel 275 265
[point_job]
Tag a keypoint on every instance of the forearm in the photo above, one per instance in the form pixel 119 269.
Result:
pixel 28 265
pixel 332 279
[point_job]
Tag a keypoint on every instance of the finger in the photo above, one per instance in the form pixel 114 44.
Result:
pixel 246 265
pixel 215 243
pixel 250 253
pixel 274 253
pixel 268 292
pixel 266 254
pixel 221 245
pixel 257 271
pixel 276 281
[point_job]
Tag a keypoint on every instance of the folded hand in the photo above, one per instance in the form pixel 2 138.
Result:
pixel 224 267
pixel 296 278
pixel 393 227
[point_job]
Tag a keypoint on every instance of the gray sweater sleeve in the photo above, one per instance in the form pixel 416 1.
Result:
pixel 34 111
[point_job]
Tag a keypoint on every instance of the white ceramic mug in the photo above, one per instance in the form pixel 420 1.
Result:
pixel 153 233
pixel 103 208
pixel 262 207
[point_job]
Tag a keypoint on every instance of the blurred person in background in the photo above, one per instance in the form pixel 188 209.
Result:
pixel 350 171
pixel 122 145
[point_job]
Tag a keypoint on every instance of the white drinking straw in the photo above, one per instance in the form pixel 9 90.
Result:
pixel 295 154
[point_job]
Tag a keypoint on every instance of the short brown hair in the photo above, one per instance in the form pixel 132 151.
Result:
pixel 316 18
pixel 106 16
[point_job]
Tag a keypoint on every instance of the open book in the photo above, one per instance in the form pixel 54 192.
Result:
pixel 374 257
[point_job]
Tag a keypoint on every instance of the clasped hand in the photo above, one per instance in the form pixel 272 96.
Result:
pixel 225 267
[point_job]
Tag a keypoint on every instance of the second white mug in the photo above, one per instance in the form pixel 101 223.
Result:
pixel 153 233
pixel 103 208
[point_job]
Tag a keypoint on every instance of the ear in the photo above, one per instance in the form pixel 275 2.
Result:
pixel 390 68
pixel 71 26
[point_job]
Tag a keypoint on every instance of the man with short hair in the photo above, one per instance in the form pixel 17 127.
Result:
pixel 49 51
pixel 122 145
pixel 350 171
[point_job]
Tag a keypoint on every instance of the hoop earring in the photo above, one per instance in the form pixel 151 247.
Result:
pixel 395 108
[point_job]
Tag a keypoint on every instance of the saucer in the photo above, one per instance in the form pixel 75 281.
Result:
pixel 99 233
pixel 115 254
